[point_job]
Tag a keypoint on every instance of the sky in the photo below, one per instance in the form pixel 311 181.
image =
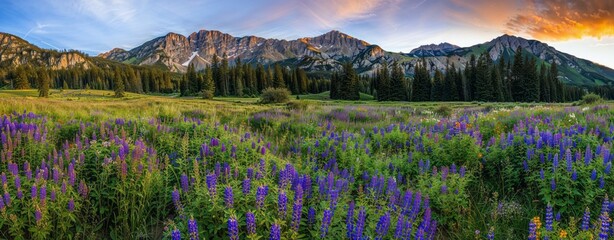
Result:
pixel 582 28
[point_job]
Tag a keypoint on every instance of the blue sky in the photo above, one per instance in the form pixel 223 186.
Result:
pixel 96 26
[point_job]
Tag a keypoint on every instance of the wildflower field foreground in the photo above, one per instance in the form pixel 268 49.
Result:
pixel 82 165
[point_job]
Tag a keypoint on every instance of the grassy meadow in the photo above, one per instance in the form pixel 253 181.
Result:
pixel 82 164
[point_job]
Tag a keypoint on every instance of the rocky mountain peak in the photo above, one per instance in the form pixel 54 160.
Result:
pixel 432 50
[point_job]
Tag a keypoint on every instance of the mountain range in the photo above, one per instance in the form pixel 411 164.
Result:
pixel 322 53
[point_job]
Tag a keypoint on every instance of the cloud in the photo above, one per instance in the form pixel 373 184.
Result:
pixel 560 20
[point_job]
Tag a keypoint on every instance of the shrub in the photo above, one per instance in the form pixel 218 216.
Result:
pixel 275 95
pixel 297 105
pixel 590 99
pixel 207 94
pixel 443 111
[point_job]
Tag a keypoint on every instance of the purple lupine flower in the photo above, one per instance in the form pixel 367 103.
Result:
pixel 212 184
pixel 399 230
pixel 193 229
pixel 601 182
pixel 42 194
pixel 176 198
pixel 574 175
pixel 586 220
pixel 33 192
pixel 247 186
pixel 532 230
pixel 328 215
pixel 463 169
pixel 71 174
pixel 233 229
pixel 297 208
pixel 360 224
pixel 71 205
pixel 7 198
pixel 282 204
pixel 605 205
pixel 605 226
pixel 261 193
pixel 491 234
pixel 228 197
pixel 541 174
pixel 420 234
pixel 568 160
pixel 52 195
pixel 444 189
pixel 594 175
pixel 176 234
pixel 185 185
pixel 334 196
pixel 38 215
pixel 250 220
pixel 552 184
pixel 83 190
pixel 275 232
pixel 350 220
pixel 549 217
pixel 311 216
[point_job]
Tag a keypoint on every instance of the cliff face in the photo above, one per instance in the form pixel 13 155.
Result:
pixel 15 51
pixel 176 51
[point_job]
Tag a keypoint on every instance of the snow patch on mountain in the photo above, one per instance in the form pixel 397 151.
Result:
pixel 194 54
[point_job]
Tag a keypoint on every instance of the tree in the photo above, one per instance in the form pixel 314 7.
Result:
pixel 398 91
pixel 208 85
pixel 517 77
pixel 422 83
pixel 383 82
pixel 118 84
pixel 278 78
pixel 43 85
pixel 437 89
pixel 192 80
pixel 450 91
pixel 483 84
pixel 21 81
pixel 531 81
pixel 224 75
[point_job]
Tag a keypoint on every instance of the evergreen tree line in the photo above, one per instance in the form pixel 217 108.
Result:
pixel 243 79
pixel 132 78
pixel 519 80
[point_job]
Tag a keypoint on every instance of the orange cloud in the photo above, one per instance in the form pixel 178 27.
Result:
pixel 559 20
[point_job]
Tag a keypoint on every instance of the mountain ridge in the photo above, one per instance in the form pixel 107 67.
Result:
pixel 323 53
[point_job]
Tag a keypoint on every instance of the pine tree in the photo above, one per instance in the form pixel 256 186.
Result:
pixel 278 79
pixel 383 83
pixel 192 80
pixel 208 84
pixel 397 89
pixel 544 85
pixel 495 74
pixel 118 84
pixel 471 78
pixel 22 81
pixel 437 89
pixel 553 82
pixel 224 76
pixel 334 86
pixel 450 90
pixel 483 84
pixel 422 83
pixel 43 86
pixel 350 87
pixel 517 80
pixel 531 81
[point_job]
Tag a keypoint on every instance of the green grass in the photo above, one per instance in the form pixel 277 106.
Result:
pixel 325 96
